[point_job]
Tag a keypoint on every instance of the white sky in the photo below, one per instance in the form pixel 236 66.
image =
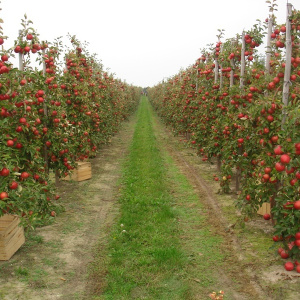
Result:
pixel 139 41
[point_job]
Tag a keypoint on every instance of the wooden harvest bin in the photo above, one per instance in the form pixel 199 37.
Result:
pixel 82 172
pixel 11 236
pixel 264 209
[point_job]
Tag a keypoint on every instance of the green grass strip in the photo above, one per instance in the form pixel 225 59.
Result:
pixel 145 252
pixel 146 257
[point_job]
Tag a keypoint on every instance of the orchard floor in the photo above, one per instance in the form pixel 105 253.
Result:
pixel 56 260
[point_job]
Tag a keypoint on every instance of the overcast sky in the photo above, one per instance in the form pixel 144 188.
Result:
pixel 139 41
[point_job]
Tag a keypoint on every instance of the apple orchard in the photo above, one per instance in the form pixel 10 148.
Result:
pixel 240 109
pixel 237 108
pixel 52 118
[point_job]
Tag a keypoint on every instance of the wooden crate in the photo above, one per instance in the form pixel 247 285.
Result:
pixel 11 236
pixel 82 172
pixel 264 209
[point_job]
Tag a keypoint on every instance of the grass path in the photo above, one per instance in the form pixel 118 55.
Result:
pixel 162 246
pixel 149 224
pixel 146 259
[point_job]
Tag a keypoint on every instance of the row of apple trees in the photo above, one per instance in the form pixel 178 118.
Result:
pixel 241 110
pixel 51 117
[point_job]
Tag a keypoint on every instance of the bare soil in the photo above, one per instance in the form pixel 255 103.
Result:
pixel 54 262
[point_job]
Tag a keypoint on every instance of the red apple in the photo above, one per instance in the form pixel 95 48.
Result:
pixel 284 254
pixel 4 172
pixel 278 150
pixel 13 185
pixel 10 143
pixel 289 266
pixel 3 195
pixel 24 175
pixel 279 167
pixel 297 204
pixel 285 158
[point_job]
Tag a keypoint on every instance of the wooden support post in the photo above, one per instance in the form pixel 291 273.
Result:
pixel 56 177
pixel 219 164
pixel 216 71
pixel 287 70
pixel 45 115
pixel 268 51
pixel 221 76
pixel 243 63
pixel 238 174
pixel 237 180
pixel 21 57
pixel 21 62
pixel 232 67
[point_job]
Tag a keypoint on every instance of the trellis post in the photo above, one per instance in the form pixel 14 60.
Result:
pixel 232 66
pixel 268 51
pixel 242 73
pixel 21 56
pixel 288 57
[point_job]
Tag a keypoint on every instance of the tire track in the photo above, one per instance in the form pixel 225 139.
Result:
pixel 253 290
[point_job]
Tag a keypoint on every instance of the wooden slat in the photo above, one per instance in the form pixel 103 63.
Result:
pixel 14 240
pixel 5 240
pixel 8 223
pixel 7 252
pixel 82 172
pixel 264 209
pixel 11 236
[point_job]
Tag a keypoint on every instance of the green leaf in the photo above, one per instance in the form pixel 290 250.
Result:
pixel 20 188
